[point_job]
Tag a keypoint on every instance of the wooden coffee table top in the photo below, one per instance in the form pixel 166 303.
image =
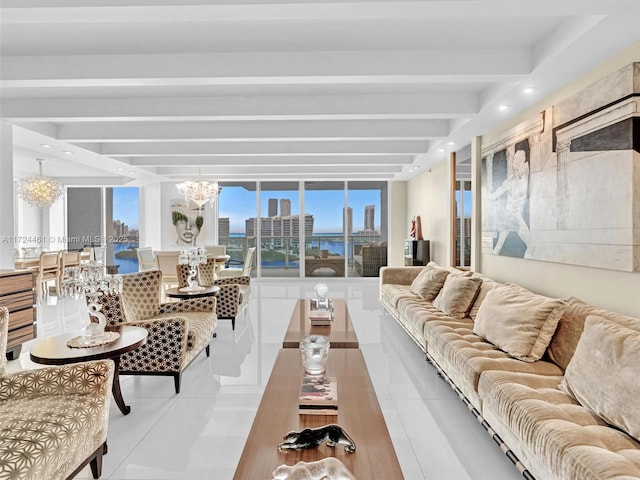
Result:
pixel 341 333
pixel 359 415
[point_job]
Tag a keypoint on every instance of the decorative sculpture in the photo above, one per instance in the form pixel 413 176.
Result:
pixel 312 438
pixel 329 468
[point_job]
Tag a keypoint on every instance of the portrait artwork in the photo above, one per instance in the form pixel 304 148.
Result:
pixel 187 223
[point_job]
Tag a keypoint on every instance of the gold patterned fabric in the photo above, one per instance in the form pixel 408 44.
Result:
pixel 51 419
pixel 178 331
pixel 233 296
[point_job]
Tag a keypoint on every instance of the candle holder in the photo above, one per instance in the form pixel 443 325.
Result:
pixel 192 257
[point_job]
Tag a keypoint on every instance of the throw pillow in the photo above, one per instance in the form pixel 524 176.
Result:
pixel 518 322
pixel 429 282
pixel 457 295
pixel 603 373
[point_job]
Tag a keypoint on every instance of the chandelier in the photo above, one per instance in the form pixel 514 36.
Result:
pixel 39 191
pixel 199 192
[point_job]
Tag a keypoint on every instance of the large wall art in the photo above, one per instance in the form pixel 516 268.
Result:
pixel 565 186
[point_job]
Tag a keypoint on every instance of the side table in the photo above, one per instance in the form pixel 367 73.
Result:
pixel 54 351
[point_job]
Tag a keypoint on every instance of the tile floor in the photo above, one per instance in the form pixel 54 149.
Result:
pixel 200 433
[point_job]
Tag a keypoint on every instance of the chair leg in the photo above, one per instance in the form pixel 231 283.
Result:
pixel 207 350
pixel 233 323
pixel 177 377
pixel 96 463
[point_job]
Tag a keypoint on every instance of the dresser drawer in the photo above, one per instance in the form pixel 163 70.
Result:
pixel 21 318
pixel 21 335
pixel 16 283
pixel 18 301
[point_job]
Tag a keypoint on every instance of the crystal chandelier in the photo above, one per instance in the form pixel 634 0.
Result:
pixel 39 191
pixel 199 192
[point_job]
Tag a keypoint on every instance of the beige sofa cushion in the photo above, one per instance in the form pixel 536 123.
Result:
pixel 486 285
pixel 429 282
pixel 457 295
pixel 565 340
pixel 517 321
pixel 603 373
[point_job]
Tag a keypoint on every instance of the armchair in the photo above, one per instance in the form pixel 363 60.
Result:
pixel 53 421
pixel 367 259
pixel 178 331
pixel 234 291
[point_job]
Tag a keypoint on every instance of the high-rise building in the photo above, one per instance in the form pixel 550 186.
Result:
pixel 273 207
pixel 369 218
pixel 223 227
pixel 279 226
pixel 347 219
pixel 285 207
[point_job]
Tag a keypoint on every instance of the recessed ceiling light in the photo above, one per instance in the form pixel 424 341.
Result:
pixel 120 169
pixel 45 145
pixel 529 90
pixel 442 150
pixel 131 172
pixel 451 143
pixel 502 108
pixel 67 152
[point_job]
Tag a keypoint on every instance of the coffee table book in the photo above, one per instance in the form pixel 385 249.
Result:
pixel 318 396
pixel 320 317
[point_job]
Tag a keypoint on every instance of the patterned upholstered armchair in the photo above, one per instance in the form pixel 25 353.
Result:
pixel 178 331
pixel 53 421
pixel 234 291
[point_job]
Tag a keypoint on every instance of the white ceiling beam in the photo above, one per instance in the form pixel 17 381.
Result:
pixel 256 161
pixel 179 172
pixel 110 11
pixel 290 107
pixel 253 131
pixel 359 147
pixel 256 68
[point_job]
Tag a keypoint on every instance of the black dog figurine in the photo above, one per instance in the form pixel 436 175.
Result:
pixel 312 438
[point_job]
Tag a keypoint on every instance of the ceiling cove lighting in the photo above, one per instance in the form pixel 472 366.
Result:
pixel 199 192
pixel 39 191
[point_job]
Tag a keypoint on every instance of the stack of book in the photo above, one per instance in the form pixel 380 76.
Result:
pixel 318 395
pixel 320 316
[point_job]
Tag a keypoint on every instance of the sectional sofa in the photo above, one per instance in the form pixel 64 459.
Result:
pixel 556 382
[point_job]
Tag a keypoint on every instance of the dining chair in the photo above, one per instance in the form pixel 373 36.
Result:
pixel 146 259
pixel 48 269
pixel 244 270
pixel 167 262
pixel 67 260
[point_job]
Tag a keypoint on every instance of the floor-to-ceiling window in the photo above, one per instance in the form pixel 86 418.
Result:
pixel 325 247
pixel 105 217
pixel 463 223
pixel 237 218
pixel 278 229
pixel 367 227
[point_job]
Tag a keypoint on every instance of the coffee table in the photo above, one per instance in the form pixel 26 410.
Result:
pixel 205 292
pixel 359 415
pixel 341 333
pixel 54 351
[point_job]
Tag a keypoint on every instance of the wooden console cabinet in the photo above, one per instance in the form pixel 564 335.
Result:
pixel 416 252
pixel 18 294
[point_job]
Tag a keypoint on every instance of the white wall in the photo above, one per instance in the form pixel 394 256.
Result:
pixel 428 196
pixel 397 222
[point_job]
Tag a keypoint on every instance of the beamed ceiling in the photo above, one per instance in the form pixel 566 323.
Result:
pixel 140 91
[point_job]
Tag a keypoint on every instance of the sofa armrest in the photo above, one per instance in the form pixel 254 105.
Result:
pixel 399 275
pixel 87 378
pixel 201 304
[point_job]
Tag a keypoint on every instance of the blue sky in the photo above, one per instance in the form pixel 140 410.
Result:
pixel 125 205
